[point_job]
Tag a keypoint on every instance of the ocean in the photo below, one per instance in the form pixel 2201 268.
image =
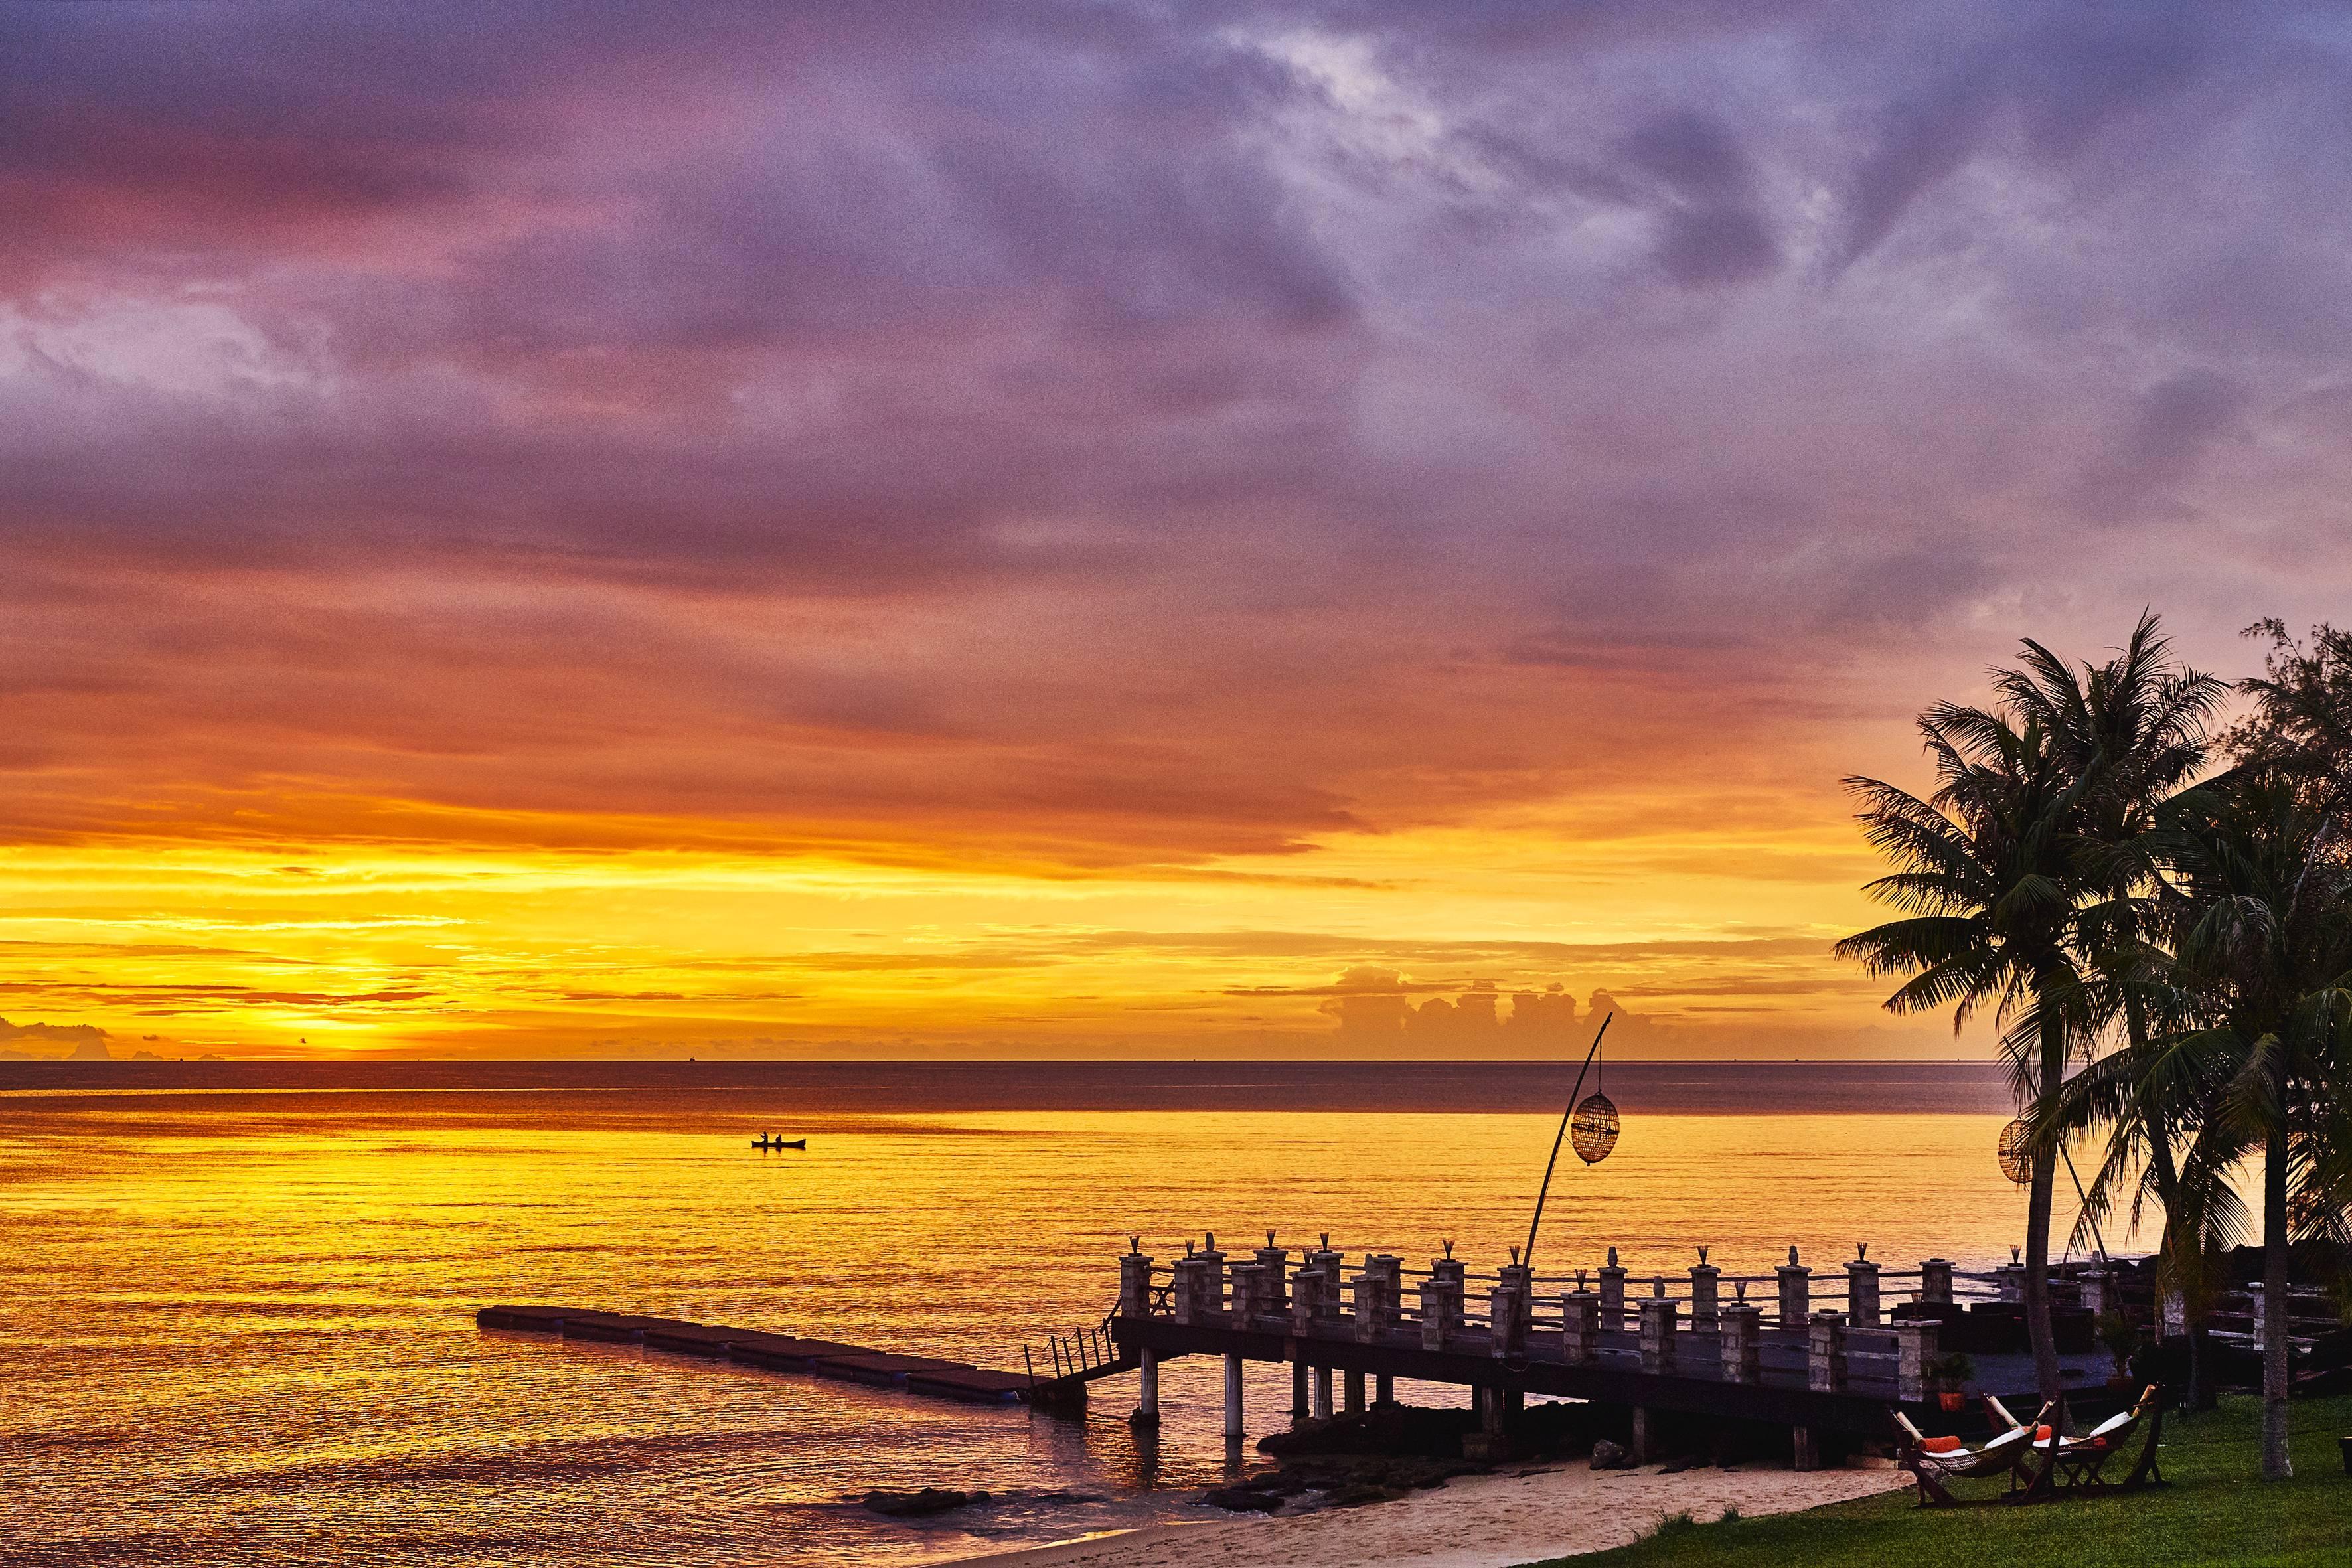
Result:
pixel 239 1298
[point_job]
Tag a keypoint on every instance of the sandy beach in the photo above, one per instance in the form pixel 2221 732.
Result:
pixel 1479 1522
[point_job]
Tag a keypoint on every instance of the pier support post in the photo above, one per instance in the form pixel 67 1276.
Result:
pixel 1658 1317
pixel 1808 1453
pixel 1645 1435
pixel 1383 1389
pixel 1796 1294
pixel 1146 1403
pixel 1355 1392
pixel 1232 1394
pixel 1613 1294
pixel 1825 1354
pixel 1298 1406
pixel 1580 1326
pixel 1935 1280
pixel 1706 1280
pixel 1862 1293
pixel 1915 1348
pixel 1323 1393
pixel 1741 1325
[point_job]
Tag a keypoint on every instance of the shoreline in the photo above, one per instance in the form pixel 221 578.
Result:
pixel 1475 1522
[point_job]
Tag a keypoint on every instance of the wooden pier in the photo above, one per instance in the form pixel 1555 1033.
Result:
pixel 1823 1364
pixel 930 1375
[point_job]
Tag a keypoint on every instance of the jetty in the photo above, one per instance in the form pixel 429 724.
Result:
pixel 1828 1360
pixel 933 1376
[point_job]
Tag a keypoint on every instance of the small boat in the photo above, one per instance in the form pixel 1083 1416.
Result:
pixel 771 1141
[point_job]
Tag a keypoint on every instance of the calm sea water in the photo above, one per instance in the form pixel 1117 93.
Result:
pixel 239 1301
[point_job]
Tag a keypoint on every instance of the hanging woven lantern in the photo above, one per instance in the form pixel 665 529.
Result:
pixel 1592 1131
pixel 2017 1151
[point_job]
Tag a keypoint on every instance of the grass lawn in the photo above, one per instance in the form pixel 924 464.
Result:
pixel 2215 1511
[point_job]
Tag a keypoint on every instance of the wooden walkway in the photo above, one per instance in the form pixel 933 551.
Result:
pixel 754 1347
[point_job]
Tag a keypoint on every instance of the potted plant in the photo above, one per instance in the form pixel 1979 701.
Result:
pixel 1949 1374
pixel 2120 1335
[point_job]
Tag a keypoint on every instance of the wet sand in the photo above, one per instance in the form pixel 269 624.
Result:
pixel 1478 1521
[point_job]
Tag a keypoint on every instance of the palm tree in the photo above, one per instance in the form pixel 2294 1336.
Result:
pixel 2132 732
pixel 1986 880
pixel 2264 935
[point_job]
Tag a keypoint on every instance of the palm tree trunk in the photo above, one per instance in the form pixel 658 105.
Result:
pixel 2276 1466
pixel 2038 1327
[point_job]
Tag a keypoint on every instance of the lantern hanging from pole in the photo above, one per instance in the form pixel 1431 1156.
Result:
pixel 1592 1131
pixel 2017 1151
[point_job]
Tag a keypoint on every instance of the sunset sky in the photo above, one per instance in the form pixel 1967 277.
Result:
pixel 1098 529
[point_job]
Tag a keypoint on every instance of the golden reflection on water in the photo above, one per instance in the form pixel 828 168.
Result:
pixel 241 1326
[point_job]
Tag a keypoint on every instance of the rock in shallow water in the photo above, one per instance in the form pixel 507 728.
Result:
pixel 921 1504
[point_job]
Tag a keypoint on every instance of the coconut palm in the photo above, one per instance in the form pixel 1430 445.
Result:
pixel 1985 877
pixel 2132 732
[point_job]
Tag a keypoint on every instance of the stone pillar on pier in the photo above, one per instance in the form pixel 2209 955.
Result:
pixel 1388 1269
pixel 1706 1281
pixel 1212 1277
pixel 1507 1331
pixel 1146 1401
pixel 1135 1285
pixel 1915 1350
pixel 1354 1386
pixel 1520 1277
pixel 1935 1280
pixel 1862 1293
pixel 1613 1294
pixel 2008 1280
pixel 1323 1393
pixel 1249 1293
pixel 1298 1406
pixel 1449 1272
pixel 1742 1327
pixel 1796 1294
pixel 1276 1261
pixel 2095 1282
pixel 1232 1394
pixel 1190 1290
pixel 1581 1326
pixel 2173 1313
pixel 2258 1293
pixel 1659 1314
pixel 1825 1353
pixel 1368 1287
pixel 1306 1310
pixel 1324 1265
pixel 1437 1314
